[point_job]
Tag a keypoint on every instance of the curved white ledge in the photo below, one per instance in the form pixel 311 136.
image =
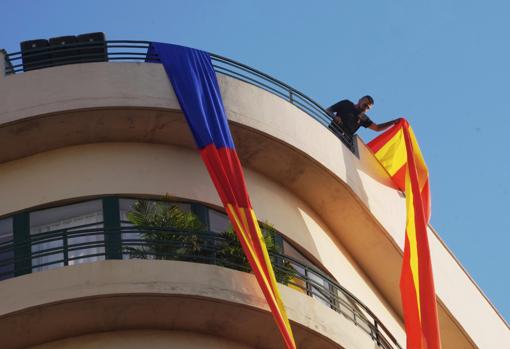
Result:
pixel 161 295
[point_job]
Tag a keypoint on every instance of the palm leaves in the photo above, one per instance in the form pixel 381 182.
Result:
pixel 231 254
pixel 168 232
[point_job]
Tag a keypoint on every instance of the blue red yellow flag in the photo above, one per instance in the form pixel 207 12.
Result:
pixel 196 87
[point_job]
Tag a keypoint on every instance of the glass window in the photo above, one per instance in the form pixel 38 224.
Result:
pixel 345 304
pixel 125 206
pixel 6 249
pixel 128 236
pixel 319 288
pixel 218 221
pixel 297 282
pixel 362 319
pixel 290 251
pixel 67 235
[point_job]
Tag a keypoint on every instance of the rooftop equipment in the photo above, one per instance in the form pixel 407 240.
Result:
pixel 62 50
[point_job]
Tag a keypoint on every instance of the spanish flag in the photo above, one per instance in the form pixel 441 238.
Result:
pixel 196 87
pixel 399 153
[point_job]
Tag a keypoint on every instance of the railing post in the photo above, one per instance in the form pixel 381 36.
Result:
pixel 112 236
pixel 291 97
pixel 22 245
pixel 65 245
pixel 309 290
pixel 377 339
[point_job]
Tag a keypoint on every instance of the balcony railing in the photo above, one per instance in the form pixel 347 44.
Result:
pixel 92 242
pixel 136 51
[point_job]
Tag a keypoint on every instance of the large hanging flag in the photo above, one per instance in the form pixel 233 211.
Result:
pixel 399 153
pixel 196 87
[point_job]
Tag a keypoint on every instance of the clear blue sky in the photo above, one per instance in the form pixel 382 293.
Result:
pixel 444 65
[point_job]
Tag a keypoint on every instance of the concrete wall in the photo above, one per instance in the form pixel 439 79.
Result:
pixel 143 339
pixel 352 195
pixel 161 295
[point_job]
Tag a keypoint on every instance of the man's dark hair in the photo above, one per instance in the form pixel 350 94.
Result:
pixel 370 99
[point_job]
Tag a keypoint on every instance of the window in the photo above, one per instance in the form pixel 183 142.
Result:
pixel 67 235
pixel 6 249
pixel 319 288
pixel 125 206
pixel 218 222
pixel 290 251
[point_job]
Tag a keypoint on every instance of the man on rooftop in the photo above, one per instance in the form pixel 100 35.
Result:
pixel 350 117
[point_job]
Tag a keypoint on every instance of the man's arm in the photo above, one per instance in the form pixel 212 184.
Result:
pixel 339 107
pixel 337 120
pixel 383 126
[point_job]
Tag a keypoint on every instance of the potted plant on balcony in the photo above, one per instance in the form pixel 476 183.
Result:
pixel 167 232
pixel 231 254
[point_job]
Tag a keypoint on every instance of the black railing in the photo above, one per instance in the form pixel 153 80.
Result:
pixel 88 243
pixel 136 51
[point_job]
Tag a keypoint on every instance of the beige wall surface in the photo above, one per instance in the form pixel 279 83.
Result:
pixel 54 89
pixel 34 94
pixel 143 339
pixel 136 168
pixel 166 295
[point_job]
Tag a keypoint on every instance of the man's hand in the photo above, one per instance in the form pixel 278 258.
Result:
pixel 383 126
pixel 337 120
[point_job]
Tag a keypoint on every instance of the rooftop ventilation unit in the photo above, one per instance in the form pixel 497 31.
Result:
pixel 35 54
pixel 62 50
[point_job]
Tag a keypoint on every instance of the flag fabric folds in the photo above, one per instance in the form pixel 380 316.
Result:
pixel 196 87
pixel 399 153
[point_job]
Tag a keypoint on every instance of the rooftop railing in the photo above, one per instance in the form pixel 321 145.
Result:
pixel 136 51
pixel 92 242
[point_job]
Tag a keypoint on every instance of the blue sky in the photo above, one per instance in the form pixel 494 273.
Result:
pixel 444 65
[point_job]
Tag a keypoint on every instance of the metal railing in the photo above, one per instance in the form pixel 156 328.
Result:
pixel 91 242
pixel 136 51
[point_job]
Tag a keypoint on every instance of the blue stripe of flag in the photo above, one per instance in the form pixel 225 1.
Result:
pixel 196 87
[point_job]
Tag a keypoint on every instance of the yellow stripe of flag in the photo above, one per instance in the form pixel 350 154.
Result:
pixel 413 243
pixel 393 154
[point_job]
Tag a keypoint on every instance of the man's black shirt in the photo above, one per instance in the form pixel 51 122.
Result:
pixel 352 118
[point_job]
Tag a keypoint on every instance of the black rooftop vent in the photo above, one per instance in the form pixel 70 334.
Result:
pixel 62 50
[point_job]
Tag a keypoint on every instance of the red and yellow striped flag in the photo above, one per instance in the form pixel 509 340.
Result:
pixel 399 153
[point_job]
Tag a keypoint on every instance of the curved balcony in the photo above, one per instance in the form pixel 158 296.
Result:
pixel 119 233
pixel 136 51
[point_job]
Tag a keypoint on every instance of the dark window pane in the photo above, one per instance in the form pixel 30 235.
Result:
pixel 290 251
pixel 6 249
pixel 218 221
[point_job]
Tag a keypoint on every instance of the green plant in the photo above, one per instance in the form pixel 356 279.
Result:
pixel 231 254
pixel 167 231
